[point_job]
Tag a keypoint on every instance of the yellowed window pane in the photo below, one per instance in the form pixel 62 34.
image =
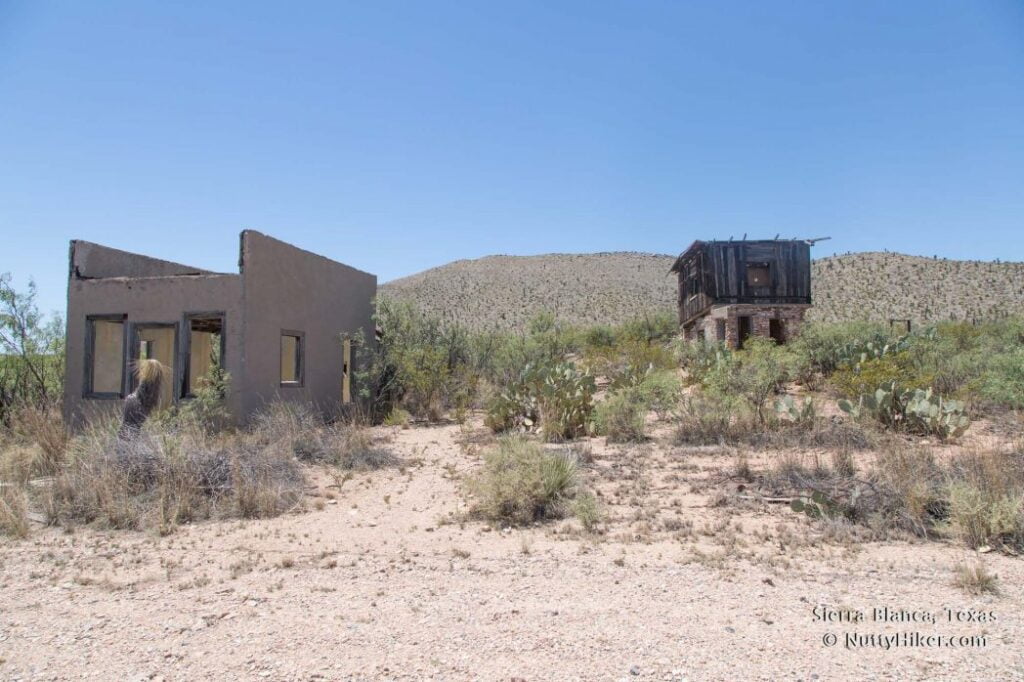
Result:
pixel 107 356
pixel 200 360
pixel 289 358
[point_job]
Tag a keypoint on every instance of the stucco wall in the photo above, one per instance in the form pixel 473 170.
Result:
pixel 146 299
pixel 286 288
pixel 94 260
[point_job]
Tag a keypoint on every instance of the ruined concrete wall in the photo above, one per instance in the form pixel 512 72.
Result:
pixel 147 299
pixel 286 288
pixel 93 260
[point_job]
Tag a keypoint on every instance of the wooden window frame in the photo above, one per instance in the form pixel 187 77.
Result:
pixel 759 266
pixel 301 352
pixel 185 351
pixel 90 350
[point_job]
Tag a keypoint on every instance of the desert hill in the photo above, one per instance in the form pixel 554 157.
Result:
pixel 504 292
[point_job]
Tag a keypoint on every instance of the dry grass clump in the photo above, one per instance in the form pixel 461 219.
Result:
pixel 709 420
pixel 986 499
pixel 32 424
pixel 977 497
pixel 975 579
pixel 620 418
pixel 301 430
pixel 298 429
pixel 819 433
pixel 712 420
pixel 522 482
pixel 909 491
pixel 168 476
pixel 13 510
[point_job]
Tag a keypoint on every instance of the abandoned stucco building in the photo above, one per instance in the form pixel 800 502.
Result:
pixel 729 291
pixel 276 327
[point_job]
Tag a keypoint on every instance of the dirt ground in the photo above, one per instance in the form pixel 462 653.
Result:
pixel 381 577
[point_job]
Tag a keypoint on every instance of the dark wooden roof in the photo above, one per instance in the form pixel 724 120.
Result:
pixel 696 246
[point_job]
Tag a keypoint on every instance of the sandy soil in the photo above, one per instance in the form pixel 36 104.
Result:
pixel 381 578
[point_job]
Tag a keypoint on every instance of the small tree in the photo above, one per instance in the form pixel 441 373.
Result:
pixel 755 373
pixel 32 362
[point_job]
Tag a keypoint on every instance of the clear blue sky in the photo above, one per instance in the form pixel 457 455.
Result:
pixel 397 137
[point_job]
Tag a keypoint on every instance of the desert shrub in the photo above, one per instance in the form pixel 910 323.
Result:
pixel 632 361
pixel 620 417
pixel 977 497
pixel 31 352
pixel 13 510
pixel 292 426
pixel 565 402
pixel 586 509
pixel 555 399
pixel 265 482
pixel 522 482
pixel 660 326
pixel 207 409
pixel 819 433
pixel 17 463
pixel 913 410
pixel 981 518
pixel 598 338
pixel 911 496
pixel 397 417
pixel 825 347
pixel 43 427
pixel 866 376
pixel 297 429
pixel 986 498
pixel 660 391
pixel 626 354
pixel 168 476
pixel 975 579
pixel 420 363
pixel 980 364
pixel 755 373
pixel 712 419
pixel 1002 381
pixel 352 447
pixel 700 358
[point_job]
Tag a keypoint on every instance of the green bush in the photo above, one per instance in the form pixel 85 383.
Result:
pixel 522 482
pixel 982 518
pixel 586 509
pixel 755 373
pixel 710 419
pixel 865 377
pixel 914 410
pixel 208 408
pixel 620 417
pixel 1002 382
pixel 660 391
pixel 398 417
pixel 826 347
pixel 565 402
pixel 555 399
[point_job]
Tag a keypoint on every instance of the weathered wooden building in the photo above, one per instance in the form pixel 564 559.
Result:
pixel 731 290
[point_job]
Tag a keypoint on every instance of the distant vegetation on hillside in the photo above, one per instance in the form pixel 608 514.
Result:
pixel 505 292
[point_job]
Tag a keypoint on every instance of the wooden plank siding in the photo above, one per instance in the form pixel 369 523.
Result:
pixel 720 269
